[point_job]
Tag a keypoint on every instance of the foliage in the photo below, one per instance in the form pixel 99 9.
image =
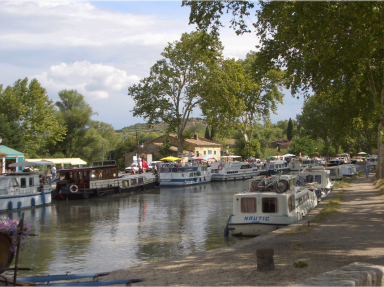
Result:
pixel 30 107
pixel 300 264
pixel 12 228
pixel 239 94
pixel 165 148
pixel 290 130
pixel 213 134
pixel 187 134
pixel 206 135
pixel 11 134
pixel 173 88
pixel 305 145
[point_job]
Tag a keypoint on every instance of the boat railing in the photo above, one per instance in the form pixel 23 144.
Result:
pixel 178 169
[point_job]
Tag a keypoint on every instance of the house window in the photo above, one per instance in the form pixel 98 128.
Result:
pixel 205 152
pixel 248 205
pixel 209 151
pixel 214 152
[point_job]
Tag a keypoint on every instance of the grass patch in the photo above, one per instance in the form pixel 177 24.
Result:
pixel 331 208
pixel 379 183
pixel 300 264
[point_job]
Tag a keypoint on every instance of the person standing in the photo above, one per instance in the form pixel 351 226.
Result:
pixel 366 171
pixel 53 171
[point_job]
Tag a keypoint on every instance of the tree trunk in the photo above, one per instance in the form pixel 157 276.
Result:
pixel 380 153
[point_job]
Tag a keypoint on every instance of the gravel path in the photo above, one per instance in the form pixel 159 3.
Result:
pixel 354 234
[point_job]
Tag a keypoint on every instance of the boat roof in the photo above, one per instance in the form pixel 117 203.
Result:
pixel 231 156
pixel 86 168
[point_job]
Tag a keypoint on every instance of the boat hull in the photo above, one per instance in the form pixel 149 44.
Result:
pixel 253 229
pixel 234 176
pixel 15 202
pixel 64 194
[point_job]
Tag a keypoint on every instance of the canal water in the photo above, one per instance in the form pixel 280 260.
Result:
pixel 115 232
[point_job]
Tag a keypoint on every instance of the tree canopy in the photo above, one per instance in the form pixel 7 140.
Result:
pixel 173 88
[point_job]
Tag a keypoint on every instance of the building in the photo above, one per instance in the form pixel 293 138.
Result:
pixel 194 147
pixel 8 156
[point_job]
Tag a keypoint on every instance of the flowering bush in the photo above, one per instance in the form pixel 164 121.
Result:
pixel 11 228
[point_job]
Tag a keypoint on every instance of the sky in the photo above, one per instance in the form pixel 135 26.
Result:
pixel 100 48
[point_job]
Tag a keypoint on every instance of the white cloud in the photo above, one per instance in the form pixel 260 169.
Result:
pixel 92 80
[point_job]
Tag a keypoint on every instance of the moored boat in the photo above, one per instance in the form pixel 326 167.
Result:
pixel 24 190
pixel 85 182
pixel 271 203
pixel 174 175
pixel 229 169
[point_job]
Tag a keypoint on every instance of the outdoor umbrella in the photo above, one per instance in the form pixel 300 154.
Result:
pixel 200 158
pixel 207 158
pixel 171 158
pixel 362 152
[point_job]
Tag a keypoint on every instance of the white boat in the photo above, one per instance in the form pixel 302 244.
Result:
pixel 276 166
pixel 267 207
pixel 372 162
pixel 348 170
pixel 229 169
pixel 335 173
pixel 184 175
pixel 316 178
pixel 24 190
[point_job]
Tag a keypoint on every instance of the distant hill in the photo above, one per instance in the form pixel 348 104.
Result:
pixel 159 128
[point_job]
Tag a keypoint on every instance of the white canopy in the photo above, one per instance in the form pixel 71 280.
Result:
pixel 30 163
pixel 362 152
pixel 71 161
pixel 288 155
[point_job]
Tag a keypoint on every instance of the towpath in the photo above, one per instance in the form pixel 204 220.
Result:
pixel 354 234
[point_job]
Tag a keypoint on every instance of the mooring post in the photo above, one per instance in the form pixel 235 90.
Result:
pixel 265 259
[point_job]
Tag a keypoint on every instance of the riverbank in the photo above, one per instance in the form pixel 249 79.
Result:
pixel 354 234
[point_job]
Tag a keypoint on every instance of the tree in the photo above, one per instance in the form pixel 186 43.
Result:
pixel 212 133
pixel 319 44
pixel 289 130
pixel 30 107
pixel 173 88
pixel 239 94
pixel 75 115
pixel 206 133
pixel 304 145
pixel 11 134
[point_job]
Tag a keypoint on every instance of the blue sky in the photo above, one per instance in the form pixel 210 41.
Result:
pixel 100 48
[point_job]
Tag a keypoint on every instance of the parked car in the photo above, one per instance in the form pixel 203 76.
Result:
pixel 134 167
pixel 152 165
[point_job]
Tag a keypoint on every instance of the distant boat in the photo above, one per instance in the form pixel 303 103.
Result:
pixel 86 182
pixel 229 169
pixel 175 175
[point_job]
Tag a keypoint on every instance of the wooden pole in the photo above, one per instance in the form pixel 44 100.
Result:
pixel 21 225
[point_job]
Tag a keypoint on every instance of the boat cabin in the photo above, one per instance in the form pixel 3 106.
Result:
pixel 88 177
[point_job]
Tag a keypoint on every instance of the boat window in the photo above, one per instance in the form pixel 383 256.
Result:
pixel 291 203
pixel 318 179
pixel 86 175
pixel 109 173
pixel 115 173
pixel 300 201
pixel 81 175
pixel 191 174
pixel 248 205
pixel 126 183
pixel 75 175
pixel 269 205
pixel 272 166
pixel 101 174
pixel 141 181
pixel 133 182
pixel 94 174
pixel 14 183
pixel 31 181
pixel 23 182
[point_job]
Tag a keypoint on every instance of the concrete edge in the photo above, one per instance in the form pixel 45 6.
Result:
pixel 355 274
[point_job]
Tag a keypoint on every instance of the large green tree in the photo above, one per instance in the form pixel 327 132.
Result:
pixel 173 88
pixel 75 115
pixel 319 44
pixel 239 94
pixel 30 107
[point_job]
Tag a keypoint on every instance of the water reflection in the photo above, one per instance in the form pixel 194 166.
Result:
pixel 105 234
